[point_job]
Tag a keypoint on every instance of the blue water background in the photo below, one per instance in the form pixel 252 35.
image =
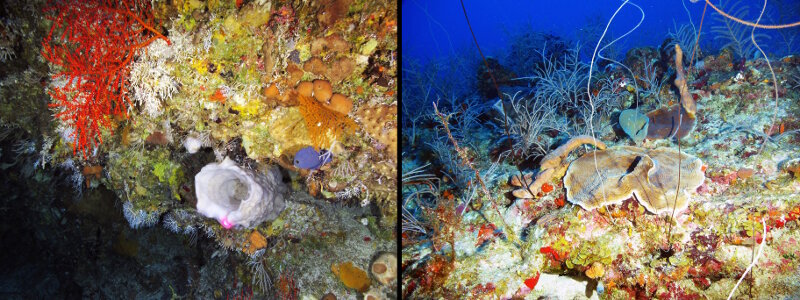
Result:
pixel 433 30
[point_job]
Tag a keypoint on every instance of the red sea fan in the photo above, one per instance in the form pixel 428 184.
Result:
pixel 91 45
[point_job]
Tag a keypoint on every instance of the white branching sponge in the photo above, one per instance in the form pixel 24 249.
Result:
pixel 151 84
pixel 151 77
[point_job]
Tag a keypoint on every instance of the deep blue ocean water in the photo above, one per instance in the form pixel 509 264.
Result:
pixel 433 30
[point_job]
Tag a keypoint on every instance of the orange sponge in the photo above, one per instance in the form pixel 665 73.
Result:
pixel 305 88
pixel 353 277
pixel 340 103
pixel 322 90
pixel 254 242
pixel 324 125
pixel 272 92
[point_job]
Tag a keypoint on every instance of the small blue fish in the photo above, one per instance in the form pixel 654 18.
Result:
pixel 308 158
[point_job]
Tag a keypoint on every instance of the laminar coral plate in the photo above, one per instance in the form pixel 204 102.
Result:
pixel 651 175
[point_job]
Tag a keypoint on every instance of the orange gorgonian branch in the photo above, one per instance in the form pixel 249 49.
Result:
pixel 92 43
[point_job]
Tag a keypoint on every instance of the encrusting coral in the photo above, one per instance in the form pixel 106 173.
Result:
pixel 380 122
pixel 651 175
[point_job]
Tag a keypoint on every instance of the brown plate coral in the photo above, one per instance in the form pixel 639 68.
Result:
pixel 650 175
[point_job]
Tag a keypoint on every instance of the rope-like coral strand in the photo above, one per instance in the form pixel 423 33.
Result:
pixel 697 38
pixel 600 52
pixel 755 260
pixel 774 80
pixel 511 234
pixel 463 154
pixel 751 24
pixel 763 219
pixel 680 82
pixel 589 86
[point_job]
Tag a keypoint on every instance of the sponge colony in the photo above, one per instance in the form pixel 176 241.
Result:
pixel 322 91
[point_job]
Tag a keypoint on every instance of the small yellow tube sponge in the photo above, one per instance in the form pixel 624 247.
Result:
pixel 649 174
